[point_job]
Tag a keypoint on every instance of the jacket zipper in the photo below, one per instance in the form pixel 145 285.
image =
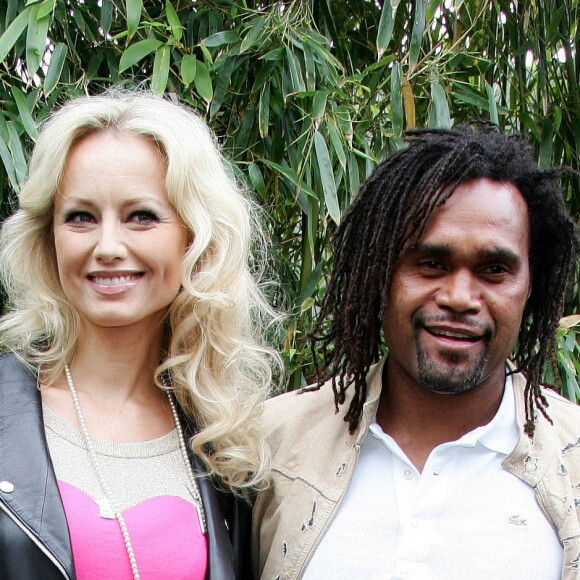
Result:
pixel 331 519
pixel 38 543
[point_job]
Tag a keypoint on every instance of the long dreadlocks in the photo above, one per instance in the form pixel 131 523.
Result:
pixel 392 210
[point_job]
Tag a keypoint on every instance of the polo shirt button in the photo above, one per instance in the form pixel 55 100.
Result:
pixel 6 486
pixel 408 473
pixel 416 522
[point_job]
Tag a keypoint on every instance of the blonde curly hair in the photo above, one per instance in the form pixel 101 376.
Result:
pixel 215 355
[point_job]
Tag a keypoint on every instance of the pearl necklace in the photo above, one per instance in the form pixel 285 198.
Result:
pixel 108 503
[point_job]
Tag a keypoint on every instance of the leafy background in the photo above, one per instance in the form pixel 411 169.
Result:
pixel 306 97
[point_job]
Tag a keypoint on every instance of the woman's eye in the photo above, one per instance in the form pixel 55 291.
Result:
pixel 79 217
pixel 143 217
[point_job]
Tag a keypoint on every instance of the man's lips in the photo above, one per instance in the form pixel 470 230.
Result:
pixel 451 333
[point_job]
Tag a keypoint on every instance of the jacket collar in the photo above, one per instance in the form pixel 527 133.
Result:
pixel 25 462
pixel 527 461
pixel 375 384
pixel 219 556
pixel 530 460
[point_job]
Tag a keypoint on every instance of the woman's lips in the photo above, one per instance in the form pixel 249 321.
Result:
pixel 114 283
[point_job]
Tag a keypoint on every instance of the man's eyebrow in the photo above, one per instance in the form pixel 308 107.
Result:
pixel 502 255
pixel 434 250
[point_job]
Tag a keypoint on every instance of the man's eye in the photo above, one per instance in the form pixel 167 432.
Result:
pixel 143 217
pixel 431 265
pixel 79 217
pixel 496 269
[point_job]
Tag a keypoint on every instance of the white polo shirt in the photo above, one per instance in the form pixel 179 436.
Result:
pixel 463 517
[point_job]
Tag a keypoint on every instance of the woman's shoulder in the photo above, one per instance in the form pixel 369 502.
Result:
pixel 13 368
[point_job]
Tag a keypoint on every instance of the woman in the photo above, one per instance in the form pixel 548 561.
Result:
pixel 133 310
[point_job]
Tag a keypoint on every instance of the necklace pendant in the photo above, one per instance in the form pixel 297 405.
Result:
pixel 105 509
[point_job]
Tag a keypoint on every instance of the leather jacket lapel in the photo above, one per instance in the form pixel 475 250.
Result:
pixel 25 462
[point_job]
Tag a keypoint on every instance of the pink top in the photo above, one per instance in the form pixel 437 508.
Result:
pixel 164 532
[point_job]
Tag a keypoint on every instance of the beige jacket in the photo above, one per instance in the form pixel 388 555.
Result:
pixel 314 458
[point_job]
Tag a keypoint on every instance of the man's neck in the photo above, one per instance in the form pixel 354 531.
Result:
pixel 419 420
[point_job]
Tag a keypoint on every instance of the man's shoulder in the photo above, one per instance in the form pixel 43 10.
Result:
pixel 298 417
pixel 564 413
pixel 300 401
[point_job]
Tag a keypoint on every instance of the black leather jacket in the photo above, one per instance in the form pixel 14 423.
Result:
pixel 34 538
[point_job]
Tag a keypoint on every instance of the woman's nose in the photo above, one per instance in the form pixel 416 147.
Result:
pixel 110 244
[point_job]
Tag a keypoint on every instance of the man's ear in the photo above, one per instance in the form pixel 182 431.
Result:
pixel 529 291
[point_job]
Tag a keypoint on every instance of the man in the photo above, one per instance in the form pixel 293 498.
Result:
pixel 450 462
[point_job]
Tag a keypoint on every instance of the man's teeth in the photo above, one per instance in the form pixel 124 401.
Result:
pixel 450 334
pixel 114 281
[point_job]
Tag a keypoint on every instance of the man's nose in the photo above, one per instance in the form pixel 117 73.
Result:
pixel 460 292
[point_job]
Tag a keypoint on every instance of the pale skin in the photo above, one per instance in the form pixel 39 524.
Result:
pixel 458 296
pixel 119 245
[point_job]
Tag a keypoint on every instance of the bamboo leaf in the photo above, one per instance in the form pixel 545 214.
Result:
pixel 35 39
pixel 137 52
pixel 134 9
pixel 257 179
pixel 55 67
pixel 8 166
pixel 557 118
pixel 493 116
pixel 13 32
pixel 202 81
pixel 46 8
pixel 570 341
pixel 24 112
pixel 173 20
pixel 353 174
pixel 106 16
pixel 295 72
pixel 569 321
pixel 310 68
pixel 17 152
pixel 311 284
pixel 409 102
pixel 291 176
pixel 440 106
pixel 264 110
pixel 276 54
pixel 319 104
pixel 546 143
pixel 467 94
pixel 252 34
pixel 345 123
pixel 417 34
pixel 188 68
pixel 327 177
pixel 221 38
pixel 160 70
pixel 386 24
pixel 337 144
pixel 396 100
pixel 223 75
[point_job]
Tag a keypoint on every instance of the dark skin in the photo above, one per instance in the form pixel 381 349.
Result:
pixel 456 302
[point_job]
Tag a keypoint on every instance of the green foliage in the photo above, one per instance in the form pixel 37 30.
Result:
pixel 306 97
